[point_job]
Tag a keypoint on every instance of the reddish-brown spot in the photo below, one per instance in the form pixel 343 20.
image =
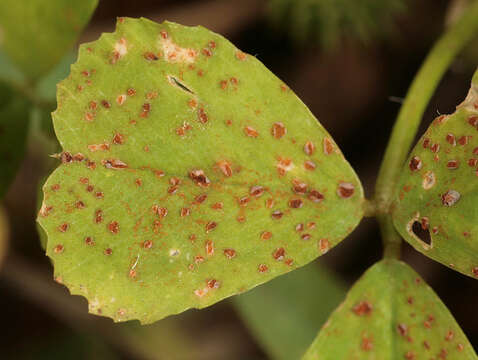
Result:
pixel 192 103
pixel 131 92
pixel 199 178
pixel 463 140
pixel 309 165
pixel 185 212
pixel 296 203
pixel 328 146
pixel 426 143
pixel 63 227
pixel 223 84
pixel 243 201
pixel 277 214
pixel 90 165
pixel 299 186
pixel 138 182
pixel 460 347
pixel 306 237
pixel 108 251
pixel 266 235
pixel 240 55
pixel 150 56
pixel 118 139
pixel 58 249
pixel 78 157
pixel 473 162
pixel 66 157
pixel 105 104
pixel 367 344
pixel 450 138
pixel 93 105
pixel 452 164
pixel 410 355
pixel 473 121
pixel 415 163
pixel 206 52
pixel 173 189
pixel 363 308
pixel 309 148
pixel 449 335
pixel 148 244
pixel 89 116
pixel 435 148
pixel 202 116
pixel 315 196
pixel 324 245
pixel 209 248
pixel 145 109
pixel 269 203
pixel 55 187
pixel 402 329
pixel 256 190
pixel 474 271
pixel 225 167
pixel 279 254
pixel 98 216
pixel 262 268
pixel 114 164
pixel 230 253
pixel 217 206
pixel 278 130
pixel 345 190
pixel 198 259
pixel 79 204
pixel 89 241
pixel 251 132
pixel 113 227
pixel 210 226
pixel 200 198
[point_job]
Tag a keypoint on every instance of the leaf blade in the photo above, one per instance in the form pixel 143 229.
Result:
pixel 195 199
pixel 391 313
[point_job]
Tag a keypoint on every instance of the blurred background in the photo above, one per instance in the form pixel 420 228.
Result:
pixel 351 62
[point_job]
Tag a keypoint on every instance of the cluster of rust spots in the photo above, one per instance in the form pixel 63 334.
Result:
pixel 67 158
pixel 224 84
pixel 99 147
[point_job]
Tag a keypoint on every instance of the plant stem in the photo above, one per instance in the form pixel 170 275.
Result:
pixel 410 115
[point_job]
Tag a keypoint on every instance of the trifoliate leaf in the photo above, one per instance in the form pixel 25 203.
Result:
pixel 35 34
pixel 391 313
pixel 437 195
pixel 189 173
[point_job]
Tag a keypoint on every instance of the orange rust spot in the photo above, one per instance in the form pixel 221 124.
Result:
pixel 324 245
pixel 89 116
pixel 113 227
pixel 278 130
pixel 138 182
pixel 131 92
pixel 99 147
pixel 225 167
pixel 279 254
pixel 266 235
pixel 230 253
pixel 345 190
pixel 118 139
pixel 217 206
pixel 363 308
pixel 58 249
pixel 328 146
pixel 240 55
pixel 309 148
pixel 262 268
pixel 202 116
pixel 251 132
pixel 209 248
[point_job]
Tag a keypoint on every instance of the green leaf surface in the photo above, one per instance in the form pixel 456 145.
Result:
pixel 284 314
pixel 13 132
pixel 436 201
pixel 35 34
pixel 391 313
pixel 189 173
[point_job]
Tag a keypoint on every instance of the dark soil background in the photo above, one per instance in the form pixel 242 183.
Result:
pixel 353 89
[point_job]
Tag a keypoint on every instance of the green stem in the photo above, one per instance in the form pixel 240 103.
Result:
pixel 410 115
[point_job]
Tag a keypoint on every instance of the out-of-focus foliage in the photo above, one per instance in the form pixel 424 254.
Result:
pixel 284 314
pixel 36 33
pixel 327 21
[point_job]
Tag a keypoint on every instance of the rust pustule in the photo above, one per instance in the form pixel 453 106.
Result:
pixel 278 130
pixel 199 178
pixel 279 254
pixel 415 163
pixel 363 308
pixel 450 198
pixel 345 190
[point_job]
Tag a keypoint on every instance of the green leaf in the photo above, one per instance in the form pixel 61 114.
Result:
pixel 435 207
pixel 13 131
pixel 194 171
pixel 391 313
pixel 36 34
pixel 283 315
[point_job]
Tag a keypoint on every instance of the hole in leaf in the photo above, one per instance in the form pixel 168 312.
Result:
pixel 421 232
pixel 175 82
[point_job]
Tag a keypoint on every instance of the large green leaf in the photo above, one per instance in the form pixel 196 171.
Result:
pixel 436 203
pixel 36 33
pixel 391 313
pixel 284 314
pixel 13 131
pixel 189 173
